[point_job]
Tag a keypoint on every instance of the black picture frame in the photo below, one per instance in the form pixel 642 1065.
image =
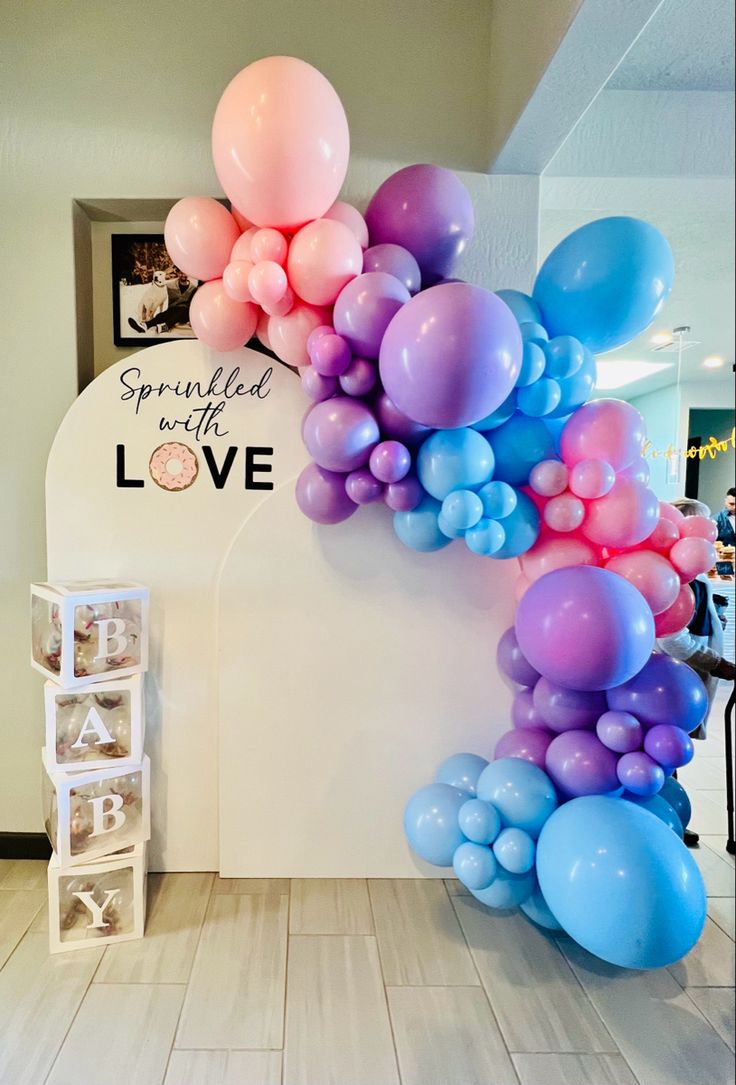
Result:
pixel 134 260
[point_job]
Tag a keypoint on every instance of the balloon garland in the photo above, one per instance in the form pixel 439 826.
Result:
pixel 468 414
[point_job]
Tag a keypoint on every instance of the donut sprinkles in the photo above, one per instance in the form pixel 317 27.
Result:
pixel 173 466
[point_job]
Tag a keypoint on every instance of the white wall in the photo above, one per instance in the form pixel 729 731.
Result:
pixel 105 101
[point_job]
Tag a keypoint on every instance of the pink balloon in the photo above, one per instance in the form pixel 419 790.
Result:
pixel 235 280
pixel 699 527
pixel 624 517
pixel 678 615
pixel 243 223
pixel 351 217
pixel 521 586
pixel 323 257
pixel 288 334
pixel 664 535
pixel 524 712
pixel 592 478
pixel 528 744
pixel 604 429
pixel 548 478
pixel 283 306
pixel 269 244
pixel 639 470
pixel 564 513
pixel 280 142
pixel 692 556
pixel 267 283
pixel 199 235
pixel 220 322
pixel 669 512
pixel 556 553
pixel 241 248
pixel 262 330
pixel 652 574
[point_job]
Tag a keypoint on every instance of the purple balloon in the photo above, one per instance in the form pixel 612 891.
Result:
pixel 365 308
pixel 394 423
pixel 523 710
pixel 322 497
pixel 526 743
pixel 620 732
pixel 669 746
pixel 585 628
pixel 511 661
pixel 396 261
pixel 316 386
pixel 330 355
pixel 340 434
pixel 451 355
pixel 580 764
pixel 404 496
pixel 640 774
pixel 362 488
pixel 428 211
pixel 359 378
pixel 663 691
pixel 564 709
pixel 390 461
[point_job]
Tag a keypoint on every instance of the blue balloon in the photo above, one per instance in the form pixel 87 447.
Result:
pixel 620 882
pixel 479 821
pixel 661 809
pixel 540 398
pixel 518 445
pixel 576 389
pixel 419 529
pixel 522 793
pixel 564 355
pixel 454 459
pixel 507 890
pixel 514 849
pixel 474 865
pixel 532 364
pixel 462 509
pixel 521 528
pixel 447 529
pixel 499 499
pixel 499 416
pixel 533 332
pixel 521 305
pixel 462 771
pixel 677 797
pixel 486 538
pixel 536 908
pixel 431 825
pixel 605 282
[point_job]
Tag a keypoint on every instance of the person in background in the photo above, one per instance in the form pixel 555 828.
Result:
pixel 725 519
pixel 180 291
pixel 700 644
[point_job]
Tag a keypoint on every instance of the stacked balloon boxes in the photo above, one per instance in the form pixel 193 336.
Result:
pixel 91 642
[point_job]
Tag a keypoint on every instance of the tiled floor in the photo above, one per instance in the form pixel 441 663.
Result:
pixel 258 982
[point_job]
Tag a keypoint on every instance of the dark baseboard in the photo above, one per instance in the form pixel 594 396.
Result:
pixel 24 846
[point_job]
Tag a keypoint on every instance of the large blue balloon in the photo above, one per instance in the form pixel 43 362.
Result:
pixel 454 459
pixel 522 793
pixel 431 825
pixel 518 445
pixel 620 882
pixel 661 809
pixel 536 908
pixel 605 282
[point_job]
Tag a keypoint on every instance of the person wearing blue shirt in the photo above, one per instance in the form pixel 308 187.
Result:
pixel 725 519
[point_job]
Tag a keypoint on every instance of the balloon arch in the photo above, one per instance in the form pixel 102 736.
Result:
pixel 468 414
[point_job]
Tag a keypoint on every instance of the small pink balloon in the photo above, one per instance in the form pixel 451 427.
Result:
pixel 678 615
pixel 603 429
pixel 199 234
pixel 269 244
pixel 330 355
pixel 548 478
pixel 552 553
pixel 639 470
pixel 241 248
pixel 669 512
pixel 564 513
pixel 288 334
pixel 267 282
pixel 243 223
pixel 692 556
pixel 323 257
pixel 592 478
pixel 262 330
pixel 351 217
pixel 524 712
pixel 663 537
pixel 316 386
pixel 528 744
pixel 235 280
pixel 699 527
pixel 359 378
pixel 220 322
pixel 651 573
pixel 624 517
pixel 283 306
pixel 404 496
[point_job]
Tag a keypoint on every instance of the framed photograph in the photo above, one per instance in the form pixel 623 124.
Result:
pixel 151 296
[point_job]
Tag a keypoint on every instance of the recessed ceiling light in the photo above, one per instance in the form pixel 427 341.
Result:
pixel 713 361
pixel 661 339
pixel 615 373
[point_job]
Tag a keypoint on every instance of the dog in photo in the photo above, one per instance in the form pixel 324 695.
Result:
pixel 155 299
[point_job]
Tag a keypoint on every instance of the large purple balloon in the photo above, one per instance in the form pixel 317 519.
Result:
pixel 396 261
pixel 663 691
pixel 394 423
pixel 580 764
pixel 564 709
pixel 512 662
pixel 526 743
pixel 340 434
pixel 428 211
pixel 321 495
pixel 585 628
pixel 365 308
pixel 451 355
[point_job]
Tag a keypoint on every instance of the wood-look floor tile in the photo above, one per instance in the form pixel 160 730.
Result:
pixel 18 907
pixel 711 963
pixel 573 1070
pixel 456 888
pixel 330 906
pixel 258 886
pixel 235 997
pixel 196 1068
pixel 717 873
pixel 122 1033
pixel 660 1032
pixel 39 996
pixel 717 1005
pixel 447 1036
pixel 176 908
pixel 539 1005
pixel 253 1068
pixel 23 874
pixel 337 1025
pixel 721 910
pixel 419 938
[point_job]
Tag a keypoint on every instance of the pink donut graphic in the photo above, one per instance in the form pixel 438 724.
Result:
pixel 173 466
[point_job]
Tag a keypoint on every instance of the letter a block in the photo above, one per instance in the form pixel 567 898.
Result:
pixel 94 727
pixel 83 632
pixel 91 814
pixel 98 903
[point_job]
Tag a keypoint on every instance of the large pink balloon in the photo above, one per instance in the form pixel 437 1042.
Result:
pixel 323 257
pixel 651 573
pixel 664 535
pixel 624 517
pixel 692 556
pixel 556 552
pixel 199 235
pixel 605 429
pixel 280 142
pixel 220 322
pixel 698 527
pixel 678 615
pixel 351 217
pixel 288 334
